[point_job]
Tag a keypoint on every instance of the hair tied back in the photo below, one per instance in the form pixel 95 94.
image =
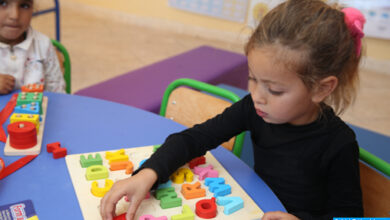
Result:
pixel 355 20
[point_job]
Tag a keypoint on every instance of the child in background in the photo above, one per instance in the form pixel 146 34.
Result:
pixel 303 69
pixel 27 56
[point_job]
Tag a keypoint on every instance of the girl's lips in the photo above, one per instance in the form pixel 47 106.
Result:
pixel 261 113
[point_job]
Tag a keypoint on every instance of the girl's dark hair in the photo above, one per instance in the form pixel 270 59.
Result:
pixel 318 31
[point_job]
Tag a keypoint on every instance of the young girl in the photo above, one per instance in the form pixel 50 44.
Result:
pixel 27 56
pixel 303 58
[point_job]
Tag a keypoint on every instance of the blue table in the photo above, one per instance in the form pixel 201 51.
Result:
pixel 84 125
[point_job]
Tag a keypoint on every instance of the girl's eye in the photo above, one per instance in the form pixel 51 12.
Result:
pixel 25 5
pixel 251 79
pixel 3 3
pixel 273 92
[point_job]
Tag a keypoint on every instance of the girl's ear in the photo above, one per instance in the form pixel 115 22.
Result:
pixel 324 88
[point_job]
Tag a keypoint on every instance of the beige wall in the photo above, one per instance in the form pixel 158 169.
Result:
pixel 377 49
pixel 159 9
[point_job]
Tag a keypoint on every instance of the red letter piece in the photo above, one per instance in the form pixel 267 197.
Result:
pixel 52 146
pixel 197 161
pixel 206 208
pixel 120 217
pixel 60 152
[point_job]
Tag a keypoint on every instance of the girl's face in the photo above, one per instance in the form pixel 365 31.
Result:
pixel 15 17
pixel 278 94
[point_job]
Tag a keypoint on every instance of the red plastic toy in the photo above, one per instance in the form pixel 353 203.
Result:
pixel 206 208
pixel 52 146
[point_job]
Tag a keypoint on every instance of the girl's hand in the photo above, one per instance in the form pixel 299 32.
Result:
pixel 278 215
pixel 7 83
pixel 135 188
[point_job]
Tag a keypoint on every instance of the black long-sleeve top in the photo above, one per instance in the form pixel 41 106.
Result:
pixel 313 169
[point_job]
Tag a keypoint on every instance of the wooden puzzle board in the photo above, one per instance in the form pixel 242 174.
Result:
pixel 10 151
pixel 89 204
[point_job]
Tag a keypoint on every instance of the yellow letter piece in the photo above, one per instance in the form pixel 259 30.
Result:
pixel 118 158
pixel 178 176
pixel 186 214
pixel 100 192
pixel 109 155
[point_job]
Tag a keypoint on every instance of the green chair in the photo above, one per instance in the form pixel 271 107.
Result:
pixel 189 106
pixel 65 63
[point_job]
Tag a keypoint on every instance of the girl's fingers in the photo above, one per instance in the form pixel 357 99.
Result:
pixel 134 203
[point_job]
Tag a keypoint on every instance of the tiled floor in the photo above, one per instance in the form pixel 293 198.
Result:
pixel 101 49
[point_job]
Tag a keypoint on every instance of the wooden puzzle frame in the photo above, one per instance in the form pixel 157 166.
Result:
pixel 89 204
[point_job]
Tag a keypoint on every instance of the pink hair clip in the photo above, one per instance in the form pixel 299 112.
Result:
pixel 355 20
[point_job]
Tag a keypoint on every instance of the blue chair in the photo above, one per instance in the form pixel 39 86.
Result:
pixel 56 10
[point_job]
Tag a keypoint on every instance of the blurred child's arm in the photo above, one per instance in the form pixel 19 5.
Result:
pixel 54 78
pixel 7 83
pixel 135 188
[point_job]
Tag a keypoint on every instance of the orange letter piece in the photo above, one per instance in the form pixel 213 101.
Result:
pixel 192 191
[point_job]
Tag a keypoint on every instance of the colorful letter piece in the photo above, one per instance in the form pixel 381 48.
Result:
pixel 118 158
pixel 96 172
pixel 101 191
pixel 231 204
pixel 186 214
pixel 27 109
pixel 120 217
pixel 218 186
pixel 151 217
pixel 90 160
pixel 57 150
pixel 52 146
pixel 204 172
pixel 206 208
pixel 155 147
pixel 168 198
pixel 192 191
pixel 165 185
pixel 142 162
pixel 109 155
pixel 197 161
pixel 178 176
pixel 122 165
pixel 60 152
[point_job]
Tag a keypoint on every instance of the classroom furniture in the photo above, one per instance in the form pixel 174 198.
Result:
pixel 376 192
pixel 143 88
pixel 64 59
pixel 374 165
pixel 189 107
pixel 56 10
pixel 82 125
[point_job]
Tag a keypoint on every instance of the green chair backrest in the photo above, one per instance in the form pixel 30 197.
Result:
pixel 211 89
pixel 66 65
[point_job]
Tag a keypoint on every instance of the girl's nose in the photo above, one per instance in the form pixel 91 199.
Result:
pixel 259 95
pixel 13 11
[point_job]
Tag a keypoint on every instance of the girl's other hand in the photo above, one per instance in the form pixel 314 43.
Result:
pixel 135 188
pixel 7 83
pixel 278 215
